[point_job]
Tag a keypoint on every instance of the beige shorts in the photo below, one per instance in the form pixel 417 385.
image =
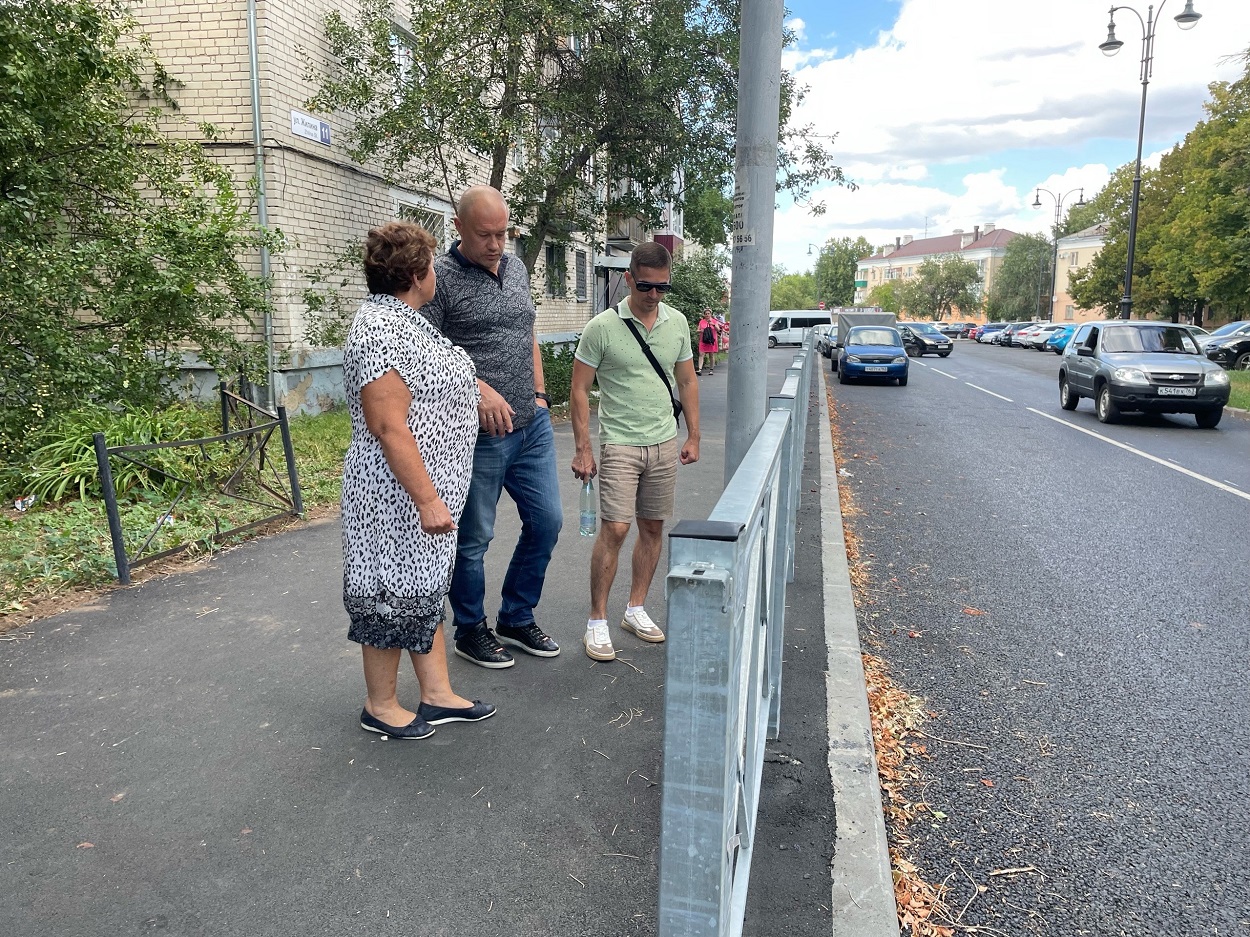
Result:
pixel 637 480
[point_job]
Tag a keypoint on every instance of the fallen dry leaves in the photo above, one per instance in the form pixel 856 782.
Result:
pixel 896 718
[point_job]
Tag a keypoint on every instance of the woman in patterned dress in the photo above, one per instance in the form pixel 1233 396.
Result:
pixel 413 402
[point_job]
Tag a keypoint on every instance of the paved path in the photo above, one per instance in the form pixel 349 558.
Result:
pixel 184 757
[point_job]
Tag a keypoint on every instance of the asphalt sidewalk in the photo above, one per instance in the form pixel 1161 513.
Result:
pixel 184 756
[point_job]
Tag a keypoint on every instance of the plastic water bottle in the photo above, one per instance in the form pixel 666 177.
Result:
pixel 588 515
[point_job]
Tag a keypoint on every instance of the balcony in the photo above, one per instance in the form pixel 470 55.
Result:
pixel 625 233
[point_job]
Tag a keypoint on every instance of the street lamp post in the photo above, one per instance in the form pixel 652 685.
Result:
pixel 1186 19
pixel 1054 263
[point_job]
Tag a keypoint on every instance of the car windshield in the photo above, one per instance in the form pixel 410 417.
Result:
pixel 1162 339
pixel 923 328
pixel 873 337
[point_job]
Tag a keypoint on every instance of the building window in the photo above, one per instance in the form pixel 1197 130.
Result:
pixel 433 218
pixel 557 271
pixel 580 274
pixel 1069 312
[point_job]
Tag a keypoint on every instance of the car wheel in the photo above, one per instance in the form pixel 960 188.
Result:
pixel 1068 398
pixel 1242 363
pixel 1108 412
pixel 772 342
pixel 1209 419
pixel 842 378
pixel 913 351
pixel 902 381
pixel 944 354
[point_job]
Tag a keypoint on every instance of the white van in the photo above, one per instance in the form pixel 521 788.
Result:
pixel 790 326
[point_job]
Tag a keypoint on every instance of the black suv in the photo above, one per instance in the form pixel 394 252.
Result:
pixel 1232 351
pixel 923 338
pixel 1150 367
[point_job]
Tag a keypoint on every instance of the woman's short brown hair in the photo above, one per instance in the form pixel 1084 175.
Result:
pixel 395 253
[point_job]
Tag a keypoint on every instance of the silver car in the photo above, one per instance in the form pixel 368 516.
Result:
pixel 1148 367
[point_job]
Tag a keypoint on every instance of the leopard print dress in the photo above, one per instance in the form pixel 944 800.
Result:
pixel 395 575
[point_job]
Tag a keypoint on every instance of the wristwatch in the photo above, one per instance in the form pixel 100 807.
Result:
pixel 539 395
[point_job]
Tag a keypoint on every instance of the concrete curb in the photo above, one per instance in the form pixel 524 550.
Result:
pixel 863 887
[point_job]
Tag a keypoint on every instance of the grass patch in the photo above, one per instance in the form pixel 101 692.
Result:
pixel 53 548
pixel 1240 396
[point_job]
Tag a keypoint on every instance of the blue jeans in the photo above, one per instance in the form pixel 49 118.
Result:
pixel 524 463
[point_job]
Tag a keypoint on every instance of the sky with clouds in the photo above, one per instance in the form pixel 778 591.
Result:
pixel 948 113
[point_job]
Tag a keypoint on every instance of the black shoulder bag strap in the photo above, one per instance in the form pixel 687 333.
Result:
pixel 646 350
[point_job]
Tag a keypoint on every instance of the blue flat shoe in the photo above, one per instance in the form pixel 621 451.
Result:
pixel 437 715
pixel 417 729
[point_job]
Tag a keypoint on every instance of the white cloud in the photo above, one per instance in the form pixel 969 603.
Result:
pixel 977 82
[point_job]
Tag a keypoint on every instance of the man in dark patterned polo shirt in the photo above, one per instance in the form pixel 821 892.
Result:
pixel 483 304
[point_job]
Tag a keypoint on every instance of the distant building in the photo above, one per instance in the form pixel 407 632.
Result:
pixel 1075 251
pixel 984 247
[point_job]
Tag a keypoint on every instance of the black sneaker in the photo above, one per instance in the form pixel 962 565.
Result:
pixel 480 647
pixel 529 638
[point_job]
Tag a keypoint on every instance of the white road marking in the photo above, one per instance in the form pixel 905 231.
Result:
pixel 990 392
pixel 1232 490
pixel 920 363
pixel 943 373
pixel 1234 484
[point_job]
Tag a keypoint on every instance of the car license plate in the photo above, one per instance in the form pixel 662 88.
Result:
pixel 1178 391
pixel 876 367
pixel 943 347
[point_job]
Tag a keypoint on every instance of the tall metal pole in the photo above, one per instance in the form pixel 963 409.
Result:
pixel 1054 264
pixel 755 186
pixel 1147 54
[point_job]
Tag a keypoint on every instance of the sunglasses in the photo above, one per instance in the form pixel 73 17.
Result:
pixel 644 287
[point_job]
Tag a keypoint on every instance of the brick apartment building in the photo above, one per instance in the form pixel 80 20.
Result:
pixel 319 197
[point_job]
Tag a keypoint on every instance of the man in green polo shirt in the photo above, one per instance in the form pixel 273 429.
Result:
pixel 638 450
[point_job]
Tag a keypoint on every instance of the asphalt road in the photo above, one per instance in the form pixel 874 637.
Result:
pixel 1071 601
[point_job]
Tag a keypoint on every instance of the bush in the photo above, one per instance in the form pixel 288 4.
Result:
pixel 63 463
pixel 557 372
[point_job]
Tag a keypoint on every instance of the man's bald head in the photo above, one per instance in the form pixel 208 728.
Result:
pixel 480 199
pixel 482 221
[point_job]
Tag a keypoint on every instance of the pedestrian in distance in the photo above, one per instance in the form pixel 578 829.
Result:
pixel 709 341
pixel 636 351
pixel 413 404
pixel 483 304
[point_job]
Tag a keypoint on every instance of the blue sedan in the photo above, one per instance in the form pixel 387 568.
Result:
pixel 873 351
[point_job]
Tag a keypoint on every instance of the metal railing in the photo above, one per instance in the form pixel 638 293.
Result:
pixel 255 467
pixel 722 693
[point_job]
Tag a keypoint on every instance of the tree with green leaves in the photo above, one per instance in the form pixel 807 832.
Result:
pixel 122 246
pixel 576 111
pixel 887 295
pixel 1021 288
pixel 835 270
pixel 942 284
pixel 699 283
pixel 792 290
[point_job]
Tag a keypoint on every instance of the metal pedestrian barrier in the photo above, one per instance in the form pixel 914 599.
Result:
pixel 726 590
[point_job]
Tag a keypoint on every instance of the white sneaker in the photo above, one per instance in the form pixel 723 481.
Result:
pixel 640 623
pixel 598 642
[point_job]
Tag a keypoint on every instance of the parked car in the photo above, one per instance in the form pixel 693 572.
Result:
pixel 1023 338
pixel 873 351
pixel 1225 332
pixel 1038 335
pixel 987 332
pixel 1006 337
pixel 1059 338
pixel 1151 367
pixel 823 339
pixel 922 338
pixel 954 329
pixel 1232 353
